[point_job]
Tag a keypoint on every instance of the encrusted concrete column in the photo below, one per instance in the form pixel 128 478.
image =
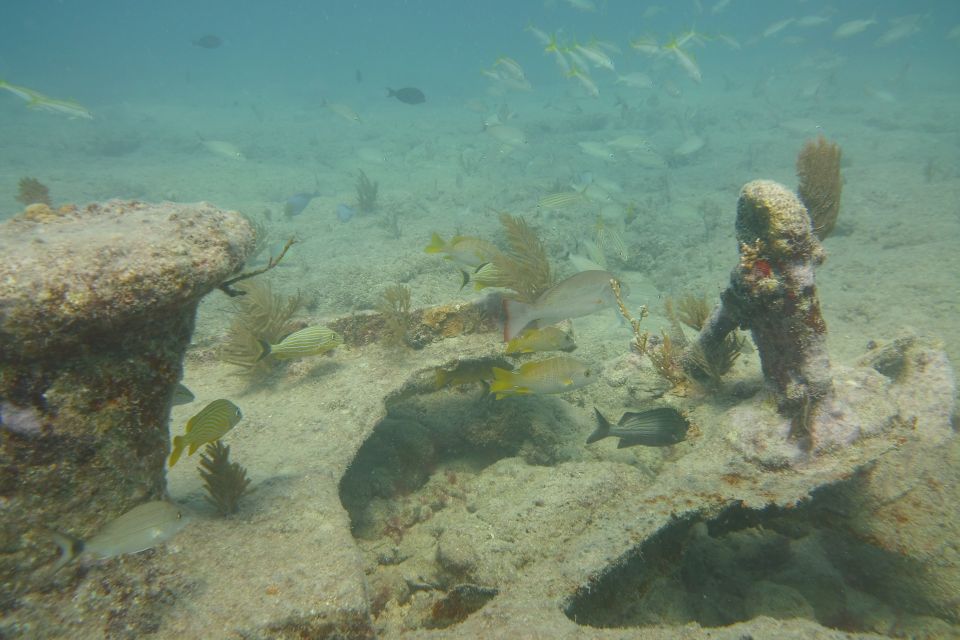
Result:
pixel 97 305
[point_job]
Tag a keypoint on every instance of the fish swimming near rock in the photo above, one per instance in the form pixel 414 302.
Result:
pixel 208 41
pixel 311 341
pixel 296 203
pixel 553 375
pixel 541 339
pixel 139 529
pixel 579 295
pixel 407 95
pixel 466 250
pixel 659 427
pixel 209 425
pixel 181 395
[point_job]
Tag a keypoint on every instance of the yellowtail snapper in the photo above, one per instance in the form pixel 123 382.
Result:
pixel 659 427
pixel 311 341
pixel 139 529
pixel 212 423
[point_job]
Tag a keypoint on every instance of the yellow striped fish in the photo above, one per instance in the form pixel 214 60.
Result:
pixel 541 339
pixel 311 341
pixel 559 200
pixel 212 423
pixel 553 375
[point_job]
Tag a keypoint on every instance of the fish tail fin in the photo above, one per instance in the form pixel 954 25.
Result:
pixel 603 427
pixel 464 278
pixel 502 384
pixel 264 349
pixel 516 316
pixel 70 548
pixel 177 450
pixel 193 448
pixel 436 244
pixel 390 92
pixel 441 379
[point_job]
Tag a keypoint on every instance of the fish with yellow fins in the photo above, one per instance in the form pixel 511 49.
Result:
pixel 579 295
pixel 466 251
pixel 36 100
pixel 310 341
pixel 212 423
pixel 552 375
pixel 535 340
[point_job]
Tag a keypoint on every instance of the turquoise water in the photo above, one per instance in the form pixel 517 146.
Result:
pixel 245 104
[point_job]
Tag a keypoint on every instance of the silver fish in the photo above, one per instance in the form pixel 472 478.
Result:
pixel 579 295
pixel 139 529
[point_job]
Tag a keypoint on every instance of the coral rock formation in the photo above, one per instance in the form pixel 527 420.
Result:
pixel 97 305
pixel 772 293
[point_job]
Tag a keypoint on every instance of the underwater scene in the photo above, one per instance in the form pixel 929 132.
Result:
pixel 425 319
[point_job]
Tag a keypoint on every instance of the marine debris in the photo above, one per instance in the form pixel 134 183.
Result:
pixel 772 293
pixel 32 191
pixel 366 193
pixel 818 167
pixel 225 481
pixel 97 307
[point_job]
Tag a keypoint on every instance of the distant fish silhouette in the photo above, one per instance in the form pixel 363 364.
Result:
pixel 409 95
pixel 296 203
pixel 208 41
pixel 345 212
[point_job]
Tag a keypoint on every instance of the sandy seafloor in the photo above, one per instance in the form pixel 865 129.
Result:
pixel 892 262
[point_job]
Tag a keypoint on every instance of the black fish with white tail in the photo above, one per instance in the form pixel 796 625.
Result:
pixel 653 428
pixel 408 95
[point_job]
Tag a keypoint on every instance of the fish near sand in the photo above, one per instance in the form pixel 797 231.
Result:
pixel 653 428
pixel 209 425
pixel 579 295
pixel 310 341
pixel 407 95
pixel 345 212
pixel 558 374
pixel 465 250
pixel 296 203
pixel 139 529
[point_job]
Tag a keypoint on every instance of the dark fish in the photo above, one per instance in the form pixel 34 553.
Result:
pixel 296 203
pixel 408 95
pixel 208 42
pixel 653 428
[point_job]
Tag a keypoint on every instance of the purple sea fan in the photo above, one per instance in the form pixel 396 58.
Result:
pixel 24 422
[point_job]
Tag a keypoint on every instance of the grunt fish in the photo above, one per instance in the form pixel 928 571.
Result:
pixel 579 295
pixel 469 372
pixel 465 250
pixel 296 203
pixel 597 150
pixel 342 110
pixel 653 428
pixel 534 340
pixel 553 375
pixel 488 275
pixel 181 395
pixel 209 425
pixel 143 527
pixel 560 200
pixel 407 95
pixel 311 341
pixel 224 149
pixel 852 28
